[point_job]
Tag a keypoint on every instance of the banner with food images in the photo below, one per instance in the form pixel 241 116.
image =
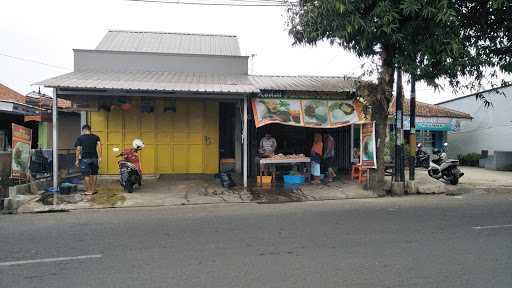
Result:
pixel 308 113
pixel 368 149
pixel 21 144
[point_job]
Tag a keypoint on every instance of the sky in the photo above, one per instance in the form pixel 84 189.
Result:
pixel 46 31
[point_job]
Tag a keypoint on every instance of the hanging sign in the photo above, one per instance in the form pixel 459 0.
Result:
pixel 307 113
pixel 433 124
pixel 368 149
pixel 21 144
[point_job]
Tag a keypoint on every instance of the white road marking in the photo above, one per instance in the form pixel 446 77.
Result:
pixel 492 227
pixel 11 263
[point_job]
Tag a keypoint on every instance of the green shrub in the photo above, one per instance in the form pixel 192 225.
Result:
pixel 470 159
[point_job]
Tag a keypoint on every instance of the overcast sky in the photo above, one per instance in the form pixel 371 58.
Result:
pixel 48 30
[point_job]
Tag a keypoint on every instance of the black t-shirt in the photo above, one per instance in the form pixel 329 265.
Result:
pixel 88 143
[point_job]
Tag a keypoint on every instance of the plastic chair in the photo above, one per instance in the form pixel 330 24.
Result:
pixel 359 173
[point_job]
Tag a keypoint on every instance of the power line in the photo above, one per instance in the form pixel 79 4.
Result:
pixel 35 61
pixel 233 4
pixel 250 1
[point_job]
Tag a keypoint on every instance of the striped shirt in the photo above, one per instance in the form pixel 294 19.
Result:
pixel 268 145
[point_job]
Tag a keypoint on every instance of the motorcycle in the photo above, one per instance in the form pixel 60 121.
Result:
pixel 422 157
pixel 443 168
pixel 130 172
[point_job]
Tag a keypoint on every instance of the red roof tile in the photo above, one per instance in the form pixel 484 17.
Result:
pixel 45 101
pixel 7 94
pixel 428 110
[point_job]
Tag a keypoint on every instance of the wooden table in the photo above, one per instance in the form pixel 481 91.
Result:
pixel 283 161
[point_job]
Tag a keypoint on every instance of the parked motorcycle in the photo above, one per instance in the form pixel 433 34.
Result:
pixel 130 172
pixel 443 168
pixel 422 158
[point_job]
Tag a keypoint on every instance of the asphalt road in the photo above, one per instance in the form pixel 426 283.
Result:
pixel 438 241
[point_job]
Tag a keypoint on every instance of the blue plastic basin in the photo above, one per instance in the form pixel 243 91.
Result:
pixel 293 179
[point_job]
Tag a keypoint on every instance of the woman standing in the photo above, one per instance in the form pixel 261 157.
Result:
pixel 316 158
pixel 329 161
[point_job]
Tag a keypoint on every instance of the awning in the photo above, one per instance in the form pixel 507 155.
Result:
pixel 304 83
pixel 18 108
pixel 154 81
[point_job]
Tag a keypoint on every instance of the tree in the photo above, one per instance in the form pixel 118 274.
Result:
pixel 428 39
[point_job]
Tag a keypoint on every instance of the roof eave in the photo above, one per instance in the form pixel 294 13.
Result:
pixel 157 53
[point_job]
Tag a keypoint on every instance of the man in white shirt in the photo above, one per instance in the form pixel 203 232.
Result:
pixel 268 145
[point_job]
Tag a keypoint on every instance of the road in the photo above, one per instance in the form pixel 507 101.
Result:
pixel 415 241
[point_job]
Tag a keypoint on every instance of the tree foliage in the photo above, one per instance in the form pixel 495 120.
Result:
pixel 430 39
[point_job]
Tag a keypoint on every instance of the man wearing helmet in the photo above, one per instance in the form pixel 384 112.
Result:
pixel 88 157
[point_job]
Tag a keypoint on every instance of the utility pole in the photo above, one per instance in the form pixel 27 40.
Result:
pixel 399 175
pixel 55 146
pixel 412 135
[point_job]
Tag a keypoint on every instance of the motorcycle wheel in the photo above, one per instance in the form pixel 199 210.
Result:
pixel 455 179
pixel 129 187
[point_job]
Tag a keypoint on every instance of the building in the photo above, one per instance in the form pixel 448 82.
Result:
pixel 490 132
pixel 13 110
pixel 69 128
pixel 433 123
pixel 188 96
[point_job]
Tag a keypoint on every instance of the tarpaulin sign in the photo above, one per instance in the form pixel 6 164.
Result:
pixel 368 150
pixel 21 144
pixel 311 113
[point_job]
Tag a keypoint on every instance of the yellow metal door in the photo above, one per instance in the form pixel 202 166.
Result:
pixel 164 139
pixel 181 141
pixel 147 155
pixel 180 133
pixel 98 122
pixel 195 137
pixel 114 139
pixel 211 136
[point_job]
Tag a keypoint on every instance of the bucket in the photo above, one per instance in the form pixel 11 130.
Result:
pixel 264 179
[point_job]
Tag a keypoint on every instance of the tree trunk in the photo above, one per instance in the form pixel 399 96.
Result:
pixel 380 107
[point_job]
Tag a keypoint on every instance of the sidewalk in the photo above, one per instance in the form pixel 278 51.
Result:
pixel 485 178
pixel 177 190
pixel 474 179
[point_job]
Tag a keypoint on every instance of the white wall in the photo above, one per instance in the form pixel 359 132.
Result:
pixel 490 129
pixel 97 60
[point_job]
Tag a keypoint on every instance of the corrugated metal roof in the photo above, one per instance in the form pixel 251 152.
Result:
pixel 303 83
pixel 165 42
pixel 153 81
pixel 428 110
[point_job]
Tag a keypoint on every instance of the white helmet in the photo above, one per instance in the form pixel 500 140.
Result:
pixel 138 144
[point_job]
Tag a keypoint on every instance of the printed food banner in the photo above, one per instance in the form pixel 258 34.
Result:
pixel 21 142
pixel 307 113
pixel 368 149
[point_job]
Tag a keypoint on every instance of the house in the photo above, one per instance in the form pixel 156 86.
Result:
pixel 433 123
pixel 189 97
pixel 13 109
pixel 490 131
pixel 69 126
